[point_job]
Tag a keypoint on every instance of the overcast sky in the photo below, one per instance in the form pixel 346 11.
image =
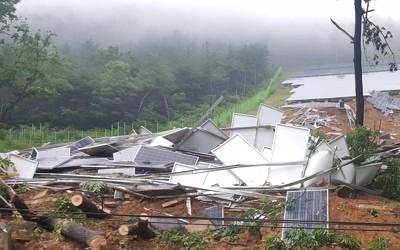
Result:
pixel 267 8
pixel 279 23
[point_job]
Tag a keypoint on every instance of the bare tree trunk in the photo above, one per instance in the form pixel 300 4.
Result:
pixel 357 63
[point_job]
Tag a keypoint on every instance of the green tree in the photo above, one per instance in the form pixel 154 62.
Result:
pixel 114 93
pixel 29 65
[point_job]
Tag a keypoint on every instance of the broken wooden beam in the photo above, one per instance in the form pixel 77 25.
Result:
pixel 88 207
pixel 173 202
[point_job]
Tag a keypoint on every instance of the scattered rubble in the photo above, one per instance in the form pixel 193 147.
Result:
pixel 259 156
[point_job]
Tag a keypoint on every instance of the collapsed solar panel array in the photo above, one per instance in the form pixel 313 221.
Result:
pixel 383 102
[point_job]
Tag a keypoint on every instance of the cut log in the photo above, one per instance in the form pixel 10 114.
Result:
pixel 94 240
pixel 88 207
pixel 172 203
pixel 140 228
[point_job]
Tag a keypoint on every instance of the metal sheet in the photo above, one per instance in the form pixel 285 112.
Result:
pixel 210 126
pixel 290 143
pixel 128 154
pixel 222 178
pixel 201 141
pixel 99 150
pixel 176 135
pixel 77 162
pixel 125 171
pixel 241 120
pixel 319 161
pixel 187 178
pixel 365 174
pixel 25 167
pixel 53 152
pixel 52 162
pixel 236 150
pixel 266 116
pixel 345 174
pixel 341 145
pixel 267 153
pixel 161 141
pixel 279 175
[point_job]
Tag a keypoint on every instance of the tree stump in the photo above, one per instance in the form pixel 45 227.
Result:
pixel 140 228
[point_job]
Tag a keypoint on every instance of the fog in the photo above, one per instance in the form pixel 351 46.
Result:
pixel 296 32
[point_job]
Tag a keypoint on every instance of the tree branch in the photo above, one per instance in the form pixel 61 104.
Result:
pixel 341 29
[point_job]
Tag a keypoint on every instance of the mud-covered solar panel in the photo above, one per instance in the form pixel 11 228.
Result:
pixel 307 209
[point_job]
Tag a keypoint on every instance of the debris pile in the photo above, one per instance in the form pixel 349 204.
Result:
pixel 257 155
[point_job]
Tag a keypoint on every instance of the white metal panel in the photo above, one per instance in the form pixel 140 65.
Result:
pixel 324 145
pixel 236 150
pixel 53 152
pixel 365 174
pixel 241 120
pixel 189 178
pixel 222 178
pixel 25 167
pixel 290 143
pixel 161 141
pixel 127 154
pixel 52 162
pixel 346 174
pixel 99 149
pixel 267 153
pixel 266 116
pixel 201 141
pixel 341 145
pixel 319 161
pixel 284 174
pixel 126 171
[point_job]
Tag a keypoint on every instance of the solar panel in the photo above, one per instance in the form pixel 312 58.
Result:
pixel 155 154
pixel 215 212
pixel 81 143
pixel 165 223
pixel 306 209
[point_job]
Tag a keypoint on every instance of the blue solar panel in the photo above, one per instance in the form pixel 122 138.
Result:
pixel 306 209
pixel 215 212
